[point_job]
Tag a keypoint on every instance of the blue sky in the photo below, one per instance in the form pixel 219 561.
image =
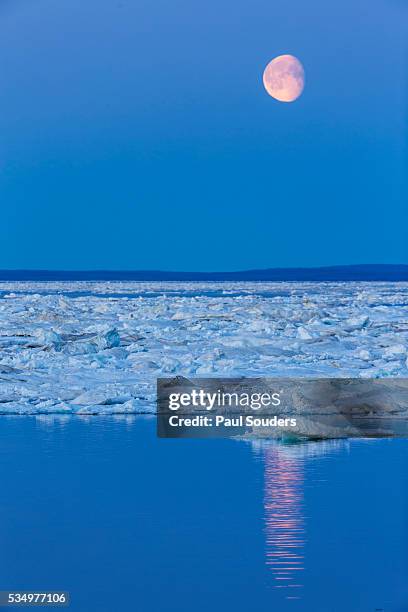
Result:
pixel 138 135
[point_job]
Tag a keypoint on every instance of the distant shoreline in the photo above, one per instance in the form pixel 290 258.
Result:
pixel 367 272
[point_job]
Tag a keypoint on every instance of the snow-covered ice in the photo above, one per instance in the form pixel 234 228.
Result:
pixel 98 347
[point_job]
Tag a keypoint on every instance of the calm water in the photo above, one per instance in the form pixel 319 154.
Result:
pixel 127 522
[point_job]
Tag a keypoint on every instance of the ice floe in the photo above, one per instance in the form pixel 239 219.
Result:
pixel 98 347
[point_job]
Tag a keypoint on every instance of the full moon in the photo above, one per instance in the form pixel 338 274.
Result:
pixel 284 78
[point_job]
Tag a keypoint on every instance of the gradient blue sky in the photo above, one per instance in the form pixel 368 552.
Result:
pixel 136 134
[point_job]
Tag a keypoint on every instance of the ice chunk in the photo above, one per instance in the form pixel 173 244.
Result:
pixel 48 337
pixel 98 396
pixel 303 334
pixel 107 340
pixel 355 323
pixel 397 351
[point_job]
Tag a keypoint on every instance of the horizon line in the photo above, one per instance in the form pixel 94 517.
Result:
pixel 138 270
pixel 348 272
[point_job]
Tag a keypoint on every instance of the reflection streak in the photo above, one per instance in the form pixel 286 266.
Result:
pixel 284 507
pixel 284 519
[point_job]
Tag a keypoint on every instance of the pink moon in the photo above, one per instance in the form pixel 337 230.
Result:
pixel 284 78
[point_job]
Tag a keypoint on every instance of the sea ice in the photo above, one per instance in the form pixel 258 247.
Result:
pixel 98 347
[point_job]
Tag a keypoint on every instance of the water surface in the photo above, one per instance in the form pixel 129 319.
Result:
pixel 126 521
